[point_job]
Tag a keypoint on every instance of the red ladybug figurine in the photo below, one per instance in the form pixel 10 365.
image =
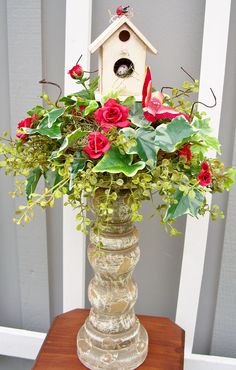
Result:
pixel 122 10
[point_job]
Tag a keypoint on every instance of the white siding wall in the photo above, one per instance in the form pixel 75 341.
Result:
pixel 24 285
pixel 32 46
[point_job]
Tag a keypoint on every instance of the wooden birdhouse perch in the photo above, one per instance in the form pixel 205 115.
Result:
pixel 122 58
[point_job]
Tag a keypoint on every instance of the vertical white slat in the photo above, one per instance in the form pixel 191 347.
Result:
pixel 215 38
pixel 25 70
pixel 77 40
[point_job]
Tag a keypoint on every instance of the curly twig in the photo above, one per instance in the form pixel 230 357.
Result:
pixel 205 105
pixel 54 84
pixel 96 70
pixel 170 88
pixel 193 79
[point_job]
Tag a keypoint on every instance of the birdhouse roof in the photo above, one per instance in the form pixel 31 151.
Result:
pixel 114 26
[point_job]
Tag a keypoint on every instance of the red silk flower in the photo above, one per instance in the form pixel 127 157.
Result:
pixel 27 122
pixel 204 176
pixel 153 107
pixel 76 72
pixel 185 152
pixel 205 166
pixel 112 114
pixel 97 145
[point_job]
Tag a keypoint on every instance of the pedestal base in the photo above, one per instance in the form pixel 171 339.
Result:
pixel 122 351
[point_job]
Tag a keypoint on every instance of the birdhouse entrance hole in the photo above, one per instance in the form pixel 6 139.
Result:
pixel 123 68
pixel 124 35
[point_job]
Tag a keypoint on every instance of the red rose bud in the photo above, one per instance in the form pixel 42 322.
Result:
pixel 97 145
pixel 205 166
pixel 185 152
pixel 112 114
pixel 76 72
pixel 204 178
pixel 27 122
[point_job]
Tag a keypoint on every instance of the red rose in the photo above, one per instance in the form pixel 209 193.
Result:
pixel 76 72
pixel 112 114
pixel 205 166
pixel 27 122
pixel 204 178
pixel 185 152
pixel 97 145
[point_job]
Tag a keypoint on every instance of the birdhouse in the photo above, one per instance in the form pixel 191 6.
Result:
pixel 122 58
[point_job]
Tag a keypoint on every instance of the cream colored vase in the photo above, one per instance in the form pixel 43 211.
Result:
pixel 112 336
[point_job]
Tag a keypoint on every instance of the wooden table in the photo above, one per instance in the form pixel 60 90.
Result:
pixel 58 352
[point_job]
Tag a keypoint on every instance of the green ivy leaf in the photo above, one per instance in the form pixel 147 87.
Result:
pixel 229 178
pixel 202 125
pixel 77 166
pixel 115 162
pixel 136 116
pixel 169 135
pixel 51 118
pixel 198 146
pixel 93 85
pixel 38 110
pixel 52 178
pixel 85 94
pixel 67 100
pixel 110 95
pixel 68 141
pixel 129 101
pixel 184 205
pixel 53 132
pixel 93 105
pixel 82 101
pixel 212 142
pixel 32 181
pixel 53 115
pixel 146 147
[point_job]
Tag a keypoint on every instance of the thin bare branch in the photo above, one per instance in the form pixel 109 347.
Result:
pixel 54 84
pixel 205 105
pixel 79 58
pixel 193 79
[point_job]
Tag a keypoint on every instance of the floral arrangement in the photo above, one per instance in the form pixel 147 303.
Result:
pixel 78 145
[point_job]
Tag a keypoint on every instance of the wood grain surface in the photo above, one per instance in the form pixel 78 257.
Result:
pixel 58 352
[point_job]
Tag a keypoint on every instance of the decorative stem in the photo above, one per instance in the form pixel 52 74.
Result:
pixel 205 105
pixel 43 81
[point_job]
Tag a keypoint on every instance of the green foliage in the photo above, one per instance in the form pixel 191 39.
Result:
pixel 115 162
pixel 144 158
pixel 38 110
pixel 129 102
pixel 92 106
pixel 143 144
pixel 229 178
pixel 32 181
pixel 171 135
pixel 51 117
pixel 68 141
pixel 53 132
pixel 136 116
pixel 184 204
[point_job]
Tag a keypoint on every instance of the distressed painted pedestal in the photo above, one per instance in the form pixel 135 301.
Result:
pixel 112 336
